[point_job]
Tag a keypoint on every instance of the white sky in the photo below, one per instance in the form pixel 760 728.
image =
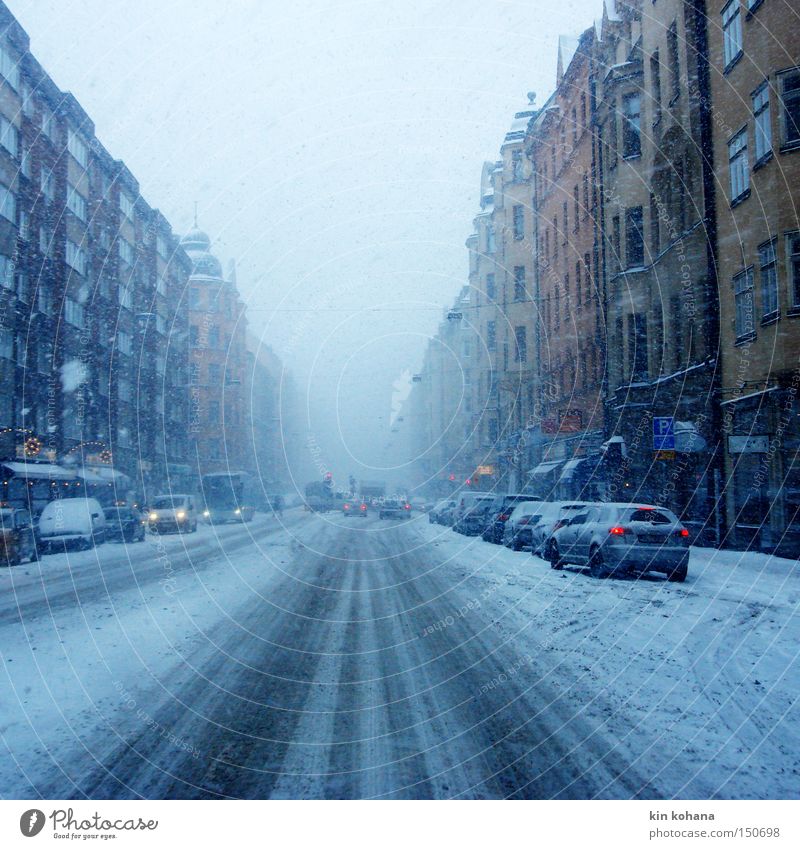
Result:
pixel 334 149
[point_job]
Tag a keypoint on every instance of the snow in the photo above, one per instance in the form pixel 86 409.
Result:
pixel 73 374
pixel 703 676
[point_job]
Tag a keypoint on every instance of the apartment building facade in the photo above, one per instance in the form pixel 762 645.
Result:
pixel 755 89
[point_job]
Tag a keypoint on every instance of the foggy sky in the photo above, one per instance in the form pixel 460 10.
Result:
pixel 334 150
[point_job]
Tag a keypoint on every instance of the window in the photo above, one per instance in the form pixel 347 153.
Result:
pixel 125 297
pixel 76 203
pixel 731 33
pixel 517 166
pixel 519 283
pixel 491 245
pixel 637 345
pixel 24 223
pixel 583 110
pixel 790 107
pixel 21 281
pixel 674 58
pixel 126 205
pixel 8 204
pixel 124 342
pixel 519 221
pixel 769 279
pixel 613 133
pixel 491 336
pixel 578 284
pixel 743 297
pixel 616 244
pixel 6 344
pixel 634 237
pixel 9 67
pixel 24 161
pixel 27 102
pixel 126 251
pixel 565 212
pixel 161 325
pixel 76 257
pixel 214 374
pixel 45 242
pixel 793 259
pixel 214 449
pixel 44 300
pixel 555 237
pixel 6 272
pixel 73 313
pixel 738 165
pixel 213 336
pixel 520 337
pixel 761 114
pixel 655 82
pixel 123 437
pixel 631 125
pixel 194 335
pixel 655 227
pixel 47 183
pixel 213 412
pixel 585 195
pixel 9 138
pixel 576 202
pixel 194 298
pixel 162 246
pixel 77 147
pixel 124 390
pixel 48 123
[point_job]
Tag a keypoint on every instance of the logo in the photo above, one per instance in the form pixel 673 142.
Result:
pixel 31 822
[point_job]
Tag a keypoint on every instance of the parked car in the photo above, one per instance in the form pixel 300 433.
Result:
pixel 355 508
pixel 436 513
pixel 517 529
pixel 395 508
pixel 614 539
pixel 467 502
pixel 474 522
pixel 502 507
pixel 72 520
pixel 124 524
pixel 552 515
pixel 17 537
pixel 177 513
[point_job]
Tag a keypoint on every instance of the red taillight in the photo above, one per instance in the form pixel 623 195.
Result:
pixel 525 521
pixel 683 532
pixel 363 506
pixel 617 531
pixel 408 506
pixel 346 506
pixel 503 517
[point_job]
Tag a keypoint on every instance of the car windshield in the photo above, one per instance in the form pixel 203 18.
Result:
pixel 168 502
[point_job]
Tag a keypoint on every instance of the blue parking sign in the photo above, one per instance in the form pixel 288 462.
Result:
pixel 663 433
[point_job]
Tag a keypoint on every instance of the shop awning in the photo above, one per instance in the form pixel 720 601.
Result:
pixel 103 475
pixel 544 469
pixel 39 471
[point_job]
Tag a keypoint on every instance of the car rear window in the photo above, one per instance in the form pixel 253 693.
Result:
pixel 655 517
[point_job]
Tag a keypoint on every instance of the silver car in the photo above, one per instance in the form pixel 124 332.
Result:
pixel 552 516
pixel 615 539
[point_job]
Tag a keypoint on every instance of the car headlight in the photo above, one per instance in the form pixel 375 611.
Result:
pixel 206 513
pixel 181 515
pixel 153 517
pixel 237 511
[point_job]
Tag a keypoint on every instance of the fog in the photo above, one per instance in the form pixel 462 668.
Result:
pixel 333 150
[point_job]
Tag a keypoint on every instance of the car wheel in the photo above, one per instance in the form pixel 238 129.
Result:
pixel 597 563
pixel 516 544
pixel 678 575
pixel 554 556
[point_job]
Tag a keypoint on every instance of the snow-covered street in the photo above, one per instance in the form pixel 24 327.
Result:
pixel 323 657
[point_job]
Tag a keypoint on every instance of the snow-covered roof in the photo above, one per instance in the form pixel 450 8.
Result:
pixel 39 471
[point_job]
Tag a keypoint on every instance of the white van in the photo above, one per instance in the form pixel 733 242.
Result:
pixel 176 513
pixel 73 520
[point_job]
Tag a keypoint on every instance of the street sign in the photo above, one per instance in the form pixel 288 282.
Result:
pixel 665 455
pixel 748 444
pixel 663 433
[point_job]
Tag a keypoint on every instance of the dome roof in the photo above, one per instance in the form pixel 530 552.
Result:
pixel 205 265
pixel 195 240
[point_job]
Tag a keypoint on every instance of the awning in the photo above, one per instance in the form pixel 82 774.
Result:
pixel 579 465
pixel 39 471
pixel 544 469
pixel 103 475
pixel 615 440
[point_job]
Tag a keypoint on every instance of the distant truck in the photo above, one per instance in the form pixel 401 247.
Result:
pixel 319 498
pixel 372 490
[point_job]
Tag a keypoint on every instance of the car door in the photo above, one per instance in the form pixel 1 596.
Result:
pixel 569 537
pixel 584 534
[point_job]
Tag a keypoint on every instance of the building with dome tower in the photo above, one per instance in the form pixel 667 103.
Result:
pixel 218 417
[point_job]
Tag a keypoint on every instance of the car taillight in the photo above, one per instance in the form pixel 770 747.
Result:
pixel 408 506
pixel 363 506
pixel 683 532
pixel 346 506
pixel 617 531
pixel 503 517
pixel 524 522
pixel 558 524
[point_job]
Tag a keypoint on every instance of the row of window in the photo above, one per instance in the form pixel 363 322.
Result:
pixel 746 313
pixel 787 92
